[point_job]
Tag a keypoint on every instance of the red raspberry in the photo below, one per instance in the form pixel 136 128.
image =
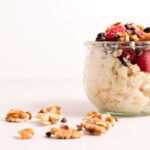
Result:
pixel 129 54
pixel 110 35
pixel 143 60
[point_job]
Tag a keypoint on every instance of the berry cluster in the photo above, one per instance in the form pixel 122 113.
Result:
pixel 126 33
pixel 137 56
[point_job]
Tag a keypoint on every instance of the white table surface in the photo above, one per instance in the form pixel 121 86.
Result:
pixel 130 133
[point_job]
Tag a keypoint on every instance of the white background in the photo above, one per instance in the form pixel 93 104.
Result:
pixel 45 38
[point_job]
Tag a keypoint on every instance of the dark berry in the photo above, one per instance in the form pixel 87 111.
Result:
pixel 63 120
pixel 79 128
pixel 100 37
pixel 48 134
pixel 138 51
pixel 147 30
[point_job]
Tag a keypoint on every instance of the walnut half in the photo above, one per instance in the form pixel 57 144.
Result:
pixel 17 115
pixel 50 115
pixel 66 132
pixel 97 123
pixel 27 133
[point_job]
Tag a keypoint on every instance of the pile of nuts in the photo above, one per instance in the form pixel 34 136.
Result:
pixel 93 123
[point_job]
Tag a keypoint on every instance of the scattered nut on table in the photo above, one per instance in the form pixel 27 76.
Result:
pixel 97 123
pixel 50 115
pixel 17 115
pixel 26 133
pixel 66 132
pixel 94 123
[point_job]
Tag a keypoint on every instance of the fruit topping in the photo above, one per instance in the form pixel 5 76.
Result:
pixel 129 54
pixel 124 32
pixel 143 60
pixel 115 31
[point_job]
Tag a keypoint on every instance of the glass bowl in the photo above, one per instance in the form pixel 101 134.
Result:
pixel 117 77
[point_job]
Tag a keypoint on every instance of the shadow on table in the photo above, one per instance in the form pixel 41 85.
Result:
pixel 70 107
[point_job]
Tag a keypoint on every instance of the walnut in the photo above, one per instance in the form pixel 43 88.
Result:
pixel 52 109
pixel 65 132
pixel 93 128
pixel 102 117
pixel 140 27
pixel 27 133
pixel 97 123
pixel 134 37
pixel 117 23
pixel 93 114
pixel 117 53
pixel 50 115
pixel 17 115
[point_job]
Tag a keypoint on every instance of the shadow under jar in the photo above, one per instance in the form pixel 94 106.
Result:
pixel 117 77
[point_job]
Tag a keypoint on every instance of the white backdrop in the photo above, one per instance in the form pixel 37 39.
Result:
pixel 44 38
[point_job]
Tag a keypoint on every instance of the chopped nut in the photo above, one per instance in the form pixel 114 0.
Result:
pixel 93 128
pixel 52 109
pixel 117 23
pixel 140 27
pixel 134 37
pixel 27 133
pixel 50 115
pixel 16 115
pixel 66 132
pixel 117 53
pixel 134 69
pixel 97 123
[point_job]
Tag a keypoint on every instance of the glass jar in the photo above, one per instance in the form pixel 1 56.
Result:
pixel 117 77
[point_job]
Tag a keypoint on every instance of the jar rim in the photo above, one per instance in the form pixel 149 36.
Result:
pixel 117 43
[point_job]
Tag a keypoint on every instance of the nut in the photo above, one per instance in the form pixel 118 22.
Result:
pixel 50 115
pixel 97 123
pixel 93 128
pixel 141 28
pixel 27 133
pixel 117 53
pixel 17 115
pixel 65 132
pixel 134 37
pixel 52 109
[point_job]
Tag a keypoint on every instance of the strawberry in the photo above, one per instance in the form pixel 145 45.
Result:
pixel 143 60
pixel 113 31
pixel 129 54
